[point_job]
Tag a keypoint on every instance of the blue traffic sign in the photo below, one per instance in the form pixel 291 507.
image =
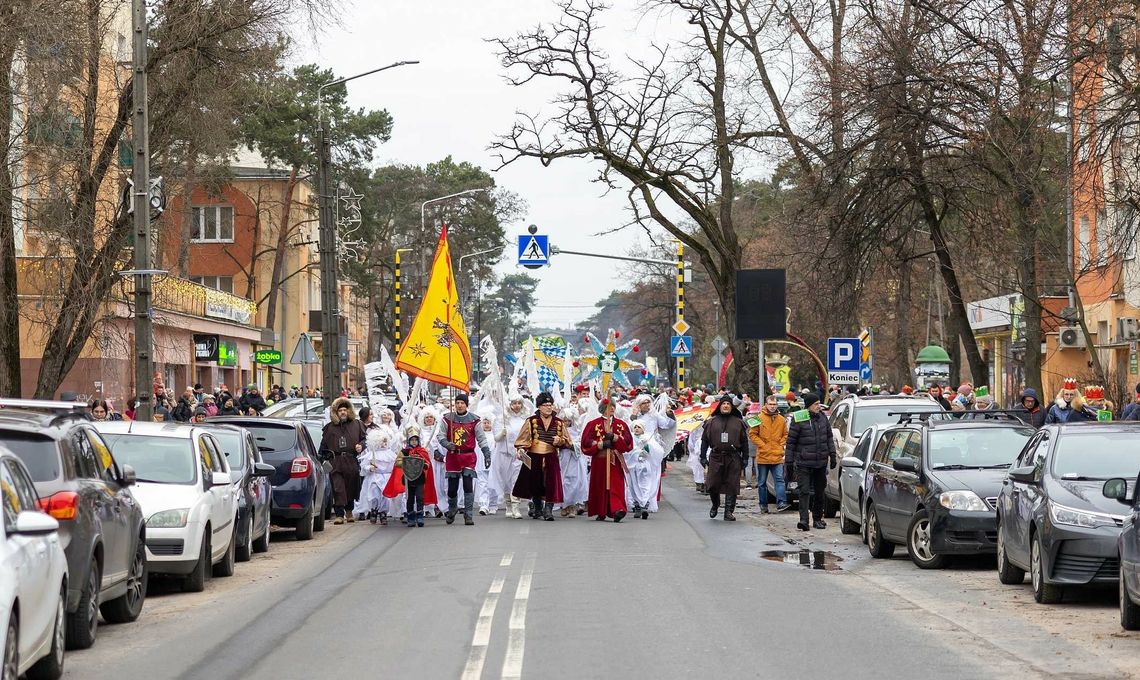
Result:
pixel 534 250
pixel 843 354
pixel 865 372
pixel 681 345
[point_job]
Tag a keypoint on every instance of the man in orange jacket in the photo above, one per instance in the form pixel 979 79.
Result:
pixel 769 437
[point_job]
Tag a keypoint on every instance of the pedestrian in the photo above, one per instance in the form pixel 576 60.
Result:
pixel 811 447
pixel 1090 406
pixel 184 411
pixel 460 434
pixel 769 436
pixel 571 463
pixel 343 436
pixel 484 476
pixel 229 408
pixel 541 438
pixel 429 428
pixel 935 391
pixel 132 408
pixel 643 463
pixel 1062 405
pixel 412 474
pixel 660 425
pixel 505 465
pixel 200 415
pixel 210 404
pixel 724 447
pixel 381 448
pixel 100 410
pixel 1031 411
pixel 253 399
pixel 606 440
pixel 1132 411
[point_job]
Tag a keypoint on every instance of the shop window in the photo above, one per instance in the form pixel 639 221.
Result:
pixel 222 283
pixel 212 224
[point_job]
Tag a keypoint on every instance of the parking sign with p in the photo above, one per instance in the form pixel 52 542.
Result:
pixel 843 358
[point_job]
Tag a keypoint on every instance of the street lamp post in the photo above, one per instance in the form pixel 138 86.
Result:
pixel 330 314
pixel 399 313
pixel 423 206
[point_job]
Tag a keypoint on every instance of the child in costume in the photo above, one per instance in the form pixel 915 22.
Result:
pixel 413 474
pixel 376 464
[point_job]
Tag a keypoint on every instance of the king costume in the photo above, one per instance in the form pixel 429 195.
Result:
pixel 607 440
pixel 538 443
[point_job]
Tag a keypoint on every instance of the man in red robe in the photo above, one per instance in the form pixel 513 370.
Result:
pixel 606 439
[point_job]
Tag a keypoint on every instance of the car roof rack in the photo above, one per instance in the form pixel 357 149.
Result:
pixel 910 416
pixel 44 405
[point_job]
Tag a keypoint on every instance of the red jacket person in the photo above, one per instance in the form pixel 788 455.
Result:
pixel 607 439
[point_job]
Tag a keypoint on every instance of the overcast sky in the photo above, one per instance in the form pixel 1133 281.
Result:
pixel 456 102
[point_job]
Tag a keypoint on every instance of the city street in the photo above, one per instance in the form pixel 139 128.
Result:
pixel 674 596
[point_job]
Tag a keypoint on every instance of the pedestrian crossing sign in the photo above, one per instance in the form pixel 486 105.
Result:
pixel 534 250
pixel 681 346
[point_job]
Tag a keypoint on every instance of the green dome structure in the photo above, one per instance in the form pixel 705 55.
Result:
pixel 932 354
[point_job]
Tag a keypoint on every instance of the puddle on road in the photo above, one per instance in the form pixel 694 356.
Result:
pixel 812 559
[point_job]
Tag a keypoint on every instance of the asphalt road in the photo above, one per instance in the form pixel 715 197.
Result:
pixel 675 596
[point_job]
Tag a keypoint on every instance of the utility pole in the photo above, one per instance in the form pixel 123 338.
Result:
pixel 144 329
pixel 680 308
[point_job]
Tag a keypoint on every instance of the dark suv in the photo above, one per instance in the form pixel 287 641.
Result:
pixel 299 481
pixel 100 523
pixel 932 485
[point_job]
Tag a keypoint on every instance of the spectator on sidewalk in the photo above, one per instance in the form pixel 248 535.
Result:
pixel 811 447
pixel 770 437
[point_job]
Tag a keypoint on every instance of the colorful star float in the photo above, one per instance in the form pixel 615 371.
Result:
pixel 602 362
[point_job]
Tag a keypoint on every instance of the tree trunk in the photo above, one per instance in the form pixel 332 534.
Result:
pixel 902 323
pixel 9 299
pixel 1031 302
pixel 283 229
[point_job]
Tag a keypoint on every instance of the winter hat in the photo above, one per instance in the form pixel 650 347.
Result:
pixel 543 398
pixel 462 397
pixel 810 398
pixel 201 411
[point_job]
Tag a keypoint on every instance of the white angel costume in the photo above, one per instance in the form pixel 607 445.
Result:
pixel 376 463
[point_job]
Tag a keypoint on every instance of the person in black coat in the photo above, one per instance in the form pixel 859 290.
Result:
pixel 811 447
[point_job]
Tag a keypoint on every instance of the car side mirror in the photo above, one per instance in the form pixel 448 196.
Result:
pixel 851 462
pixel 1024 475
pixel 219 479
pixel 33 523
pixel 127 476
pixel 263 470
pixel 1117 489
pixel 906 464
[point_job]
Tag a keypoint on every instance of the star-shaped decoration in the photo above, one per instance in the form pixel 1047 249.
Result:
pixel 349 213
pixel 606 361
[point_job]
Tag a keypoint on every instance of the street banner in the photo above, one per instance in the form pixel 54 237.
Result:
pixel 436 347
pixel 692 417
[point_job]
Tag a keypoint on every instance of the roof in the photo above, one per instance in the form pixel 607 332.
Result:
pixel 1111 426
pixel 249 421
pixel 138 427
pixel 26 420
pixel 932 354
pixel 887 397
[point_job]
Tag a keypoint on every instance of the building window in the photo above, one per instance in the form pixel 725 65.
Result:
pixel 1102 236
pixel 1084 252
pixel 212 224
pixel 222 283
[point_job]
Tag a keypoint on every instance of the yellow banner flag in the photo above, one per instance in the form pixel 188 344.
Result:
pixel 692 417
pixel 436 346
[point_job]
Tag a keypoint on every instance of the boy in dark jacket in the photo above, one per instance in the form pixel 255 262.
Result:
pixel 811 447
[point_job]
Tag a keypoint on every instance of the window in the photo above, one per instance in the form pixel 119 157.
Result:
pixel 84 455
pixel 222 283
pixel 863 447
pixel 881 447
pixel 905 443
pixel 1084 254
pixel 1102 234
pixel 839 421
pixel 9 498
pixel 107 468
pixel 212 224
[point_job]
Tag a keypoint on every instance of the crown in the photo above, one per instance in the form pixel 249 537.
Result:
pixel 1094 392
pixel 1070 384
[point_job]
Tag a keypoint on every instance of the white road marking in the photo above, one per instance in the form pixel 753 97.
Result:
pixel 507 559
pixel 516 638
pixel 482 637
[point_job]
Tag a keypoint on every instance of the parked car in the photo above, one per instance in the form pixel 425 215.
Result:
pixel 183 486
pixel 1128 547
pixel 307 408
pixel 33 579
pixel 852 471
pixel 299 480
pixel 315 428
pixel 249 475
pixel 932 486
pixel 1053 518
pixel 101 525
pixel 851 416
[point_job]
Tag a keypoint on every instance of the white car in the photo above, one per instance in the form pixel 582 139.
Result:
pixel 183 486
pixel 33 579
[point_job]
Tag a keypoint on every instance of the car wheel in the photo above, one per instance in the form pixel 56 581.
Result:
pixel 1043 592
pixel 319 517
pixel 918 543
pixel 11 668
pixel 262 543
pixel 51 666
pixel 1129 610
pixel 245 550
pixel 862 521
pixel 1008 573
pixel 305 525
pixel 128 606
pixel 879 547
pixel 226 566
pixel 830 507
pixel 82 624
pixel 196 581
pixel 847 526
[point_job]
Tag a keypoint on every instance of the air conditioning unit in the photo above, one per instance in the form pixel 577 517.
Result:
pixel 1127 329
pixel 1070 337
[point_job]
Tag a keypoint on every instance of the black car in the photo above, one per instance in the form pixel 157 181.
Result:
pixel 299 480
pixel 1128 547
pixel 932 485
pixel 100 523
pixel 1053 518
pixel 250 475
pixel 315 428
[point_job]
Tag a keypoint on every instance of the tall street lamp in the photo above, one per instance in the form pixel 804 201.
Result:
pixel 423 206
pixel 330 314
pixel 399 313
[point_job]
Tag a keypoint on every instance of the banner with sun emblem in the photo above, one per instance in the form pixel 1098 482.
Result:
pixel 436 348
pixel 606 361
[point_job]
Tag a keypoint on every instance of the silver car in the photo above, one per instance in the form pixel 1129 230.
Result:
pixel 852 470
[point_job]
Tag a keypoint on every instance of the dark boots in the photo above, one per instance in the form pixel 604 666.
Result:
pixel 452 508
pixel 715 510
pixel 548 511
pixel 729 507
pixel 468 508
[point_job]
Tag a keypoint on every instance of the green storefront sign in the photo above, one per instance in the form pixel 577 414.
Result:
pixel 267 356
pixel 227 353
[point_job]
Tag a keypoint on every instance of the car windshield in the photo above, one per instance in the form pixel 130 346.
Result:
pixel 38 452
pixel 988 447
pixel 316 431
pixel 231 444
pixel 867 415
pixel 1096 455
pixel 270 439
pixel 161 460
